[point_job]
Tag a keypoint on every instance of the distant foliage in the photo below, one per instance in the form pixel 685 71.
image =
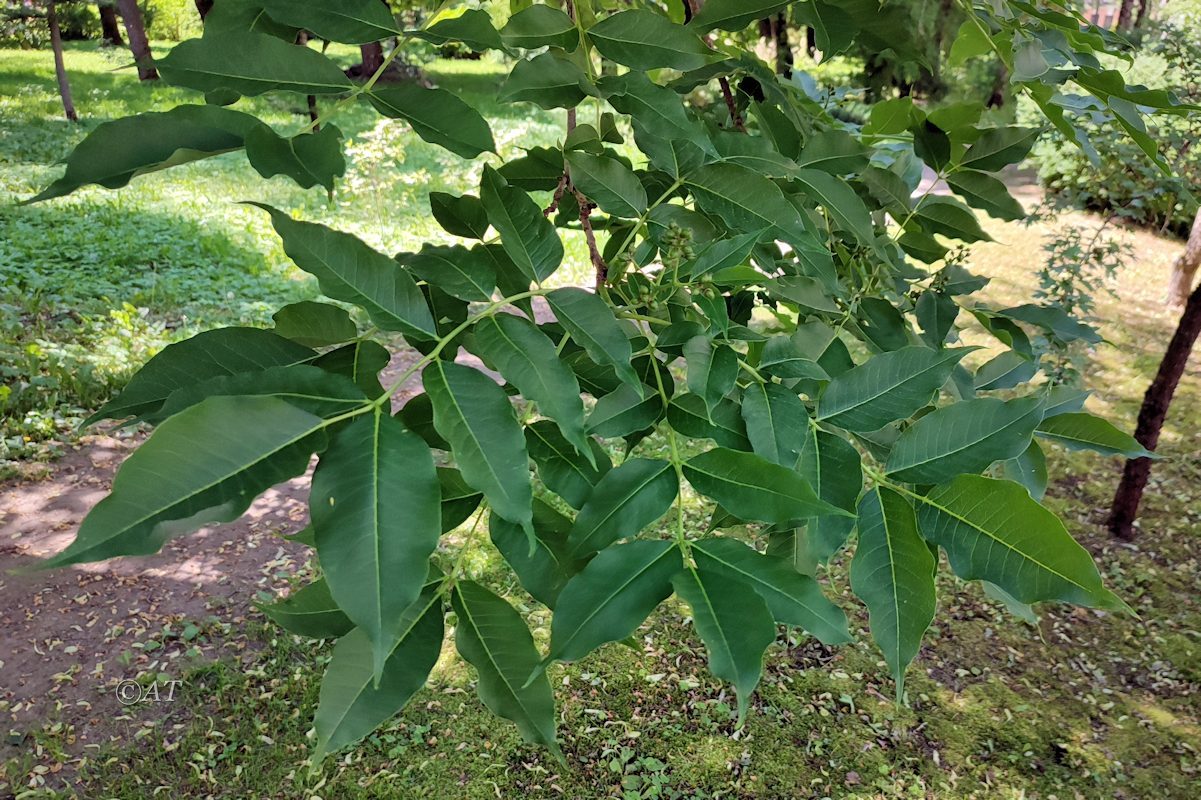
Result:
pixel 773 303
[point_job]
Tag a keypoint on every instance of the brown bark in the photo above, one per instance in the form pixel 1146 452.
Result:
pixel 204 7
pixel 1143 7
pixel 136 31
pixel 60 68
pixel 373 58
pixel 774 30
pixel 1125 15
pixel 110 28
pixel 1185 267
pixel 1151 418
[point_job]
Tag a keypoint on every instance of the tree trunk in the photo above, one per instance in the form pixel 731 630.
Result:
pixel 810 41
pixel 60 68
pixel 1125 15
pixel 110 29
pixel 1186 266
pixel 1143 7
pixel 373 58
pixel 138 43
pixel 1151 418
pixel 204 7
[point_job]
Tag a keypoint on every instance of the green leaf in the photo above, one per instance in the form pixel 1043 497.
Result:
pixel 936 312
pixel 438 116
pixel 971 40
pixel 310 159
pixel 893 574
pixel 549 81
pixel 833 468
pixel 643 40
pixel 527 359
pixel 753 488
pixel 473 28
pixel 205 465
pixel 462 273
pixel 493 638
pixel 1005 371
pixel 527 236
pixel 118 151
pixel 250 64
pixel 734 623
pixel 349 270
pixel 623 502
pixel 776 422
pixel 839 200
pixel 999 147
pixel 346 21
pixel 949 217
pixel 994 531
pixel 804 291
pixel 892 117
pixel 783 357
pixel 734 15
pixel 547 569
pixel 663 129
pixel 352 704
pixel 712 370
pixel 1083 431
pixel 314 324
pixel 360 361
pixel 793 598
pixel 607 182
pixel 540 26
pixel 688 414
pixel 375 510
pixel 987 193
pixel 475 416
pixel 211 354
pixel 611 597
pixel 592 326
pixel 747 201
pixel 459 501
pixel 307 387
pixel 1030 470
pixel 562 468
pixel 886 387
pixel 964 437
pixel 460 216
pixel 834 151
pixel 1054 319
pixel 624 411
pixel 310 611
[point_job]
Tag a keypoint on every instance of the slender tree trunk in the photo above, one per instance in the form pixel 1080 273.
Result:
pixel 1186 266
pixel 110 28
pixel 1151 418
pixel 138 43
pixel 373 58
pixel 60 68
pixel 783 48
pixel 1125 15
pixel 810 41
pixel 204 7
pixel 1143 7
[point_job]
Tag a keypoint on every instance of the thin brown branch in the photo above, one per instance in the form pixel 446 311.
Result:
pixel 558 196
pixel 735 116
pixel 598 261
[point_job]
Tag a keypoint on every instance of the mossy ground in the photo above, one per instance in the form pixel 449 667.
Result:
pixel 1082 705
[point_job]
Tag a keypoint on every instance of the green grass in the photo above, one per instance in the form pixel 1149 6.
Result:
pixel 1084 705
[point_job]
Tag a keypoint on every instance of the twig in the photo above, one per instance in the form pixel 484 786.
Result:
pixel 735 116
pixel 598 261
pixel 558 196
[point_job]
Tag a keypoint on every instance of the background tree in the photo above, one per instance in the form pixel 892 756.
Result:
pixel 60 67
pixel 110 28
pixel 135 29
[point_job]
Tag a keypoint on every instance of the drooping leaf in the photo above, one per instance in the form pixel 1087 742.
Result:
pixel 437 115
pixel 734 623
pixel 1005 371
pixel 314 324
pixel 643 40
pixel 352 704
pixel 346 21
pixel 893 574
pixel 949 217
pixel 466 274
pixel 623 502
pixel 734 15
pixel 607 182
pixel 475 416
pixel 349 270
pixel 540 26
pixel 793 598
pixel 994 531
pixel 1081 430
pixel 839 200
pixel 753 488
pixel 493 638
pixel 459 501
pixel 999 147
pixel 964 437
pixel 307 387
pixel 712 370
pixel 526 235
pixel 611 597
pixel 461 216
pixel 833 468
pixel 886 387
pixel 548 80
pixel 624 411
pixel 562 468
pixel 360 361
pixel 472 27
pixel 211 354
pixel 834 151
pixel 205 465
pixel 118 151
pixel 310 611
pixel 545 571
pixel 250 64
pixel 1030 470
pixel 776 422
pixel 987 193
pixel 747 201
pixel 592 325
pixel 687 414
pixel 375 509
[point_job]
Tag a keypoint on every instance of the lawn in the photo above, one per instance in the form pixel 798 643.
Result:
pixel 1078 704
